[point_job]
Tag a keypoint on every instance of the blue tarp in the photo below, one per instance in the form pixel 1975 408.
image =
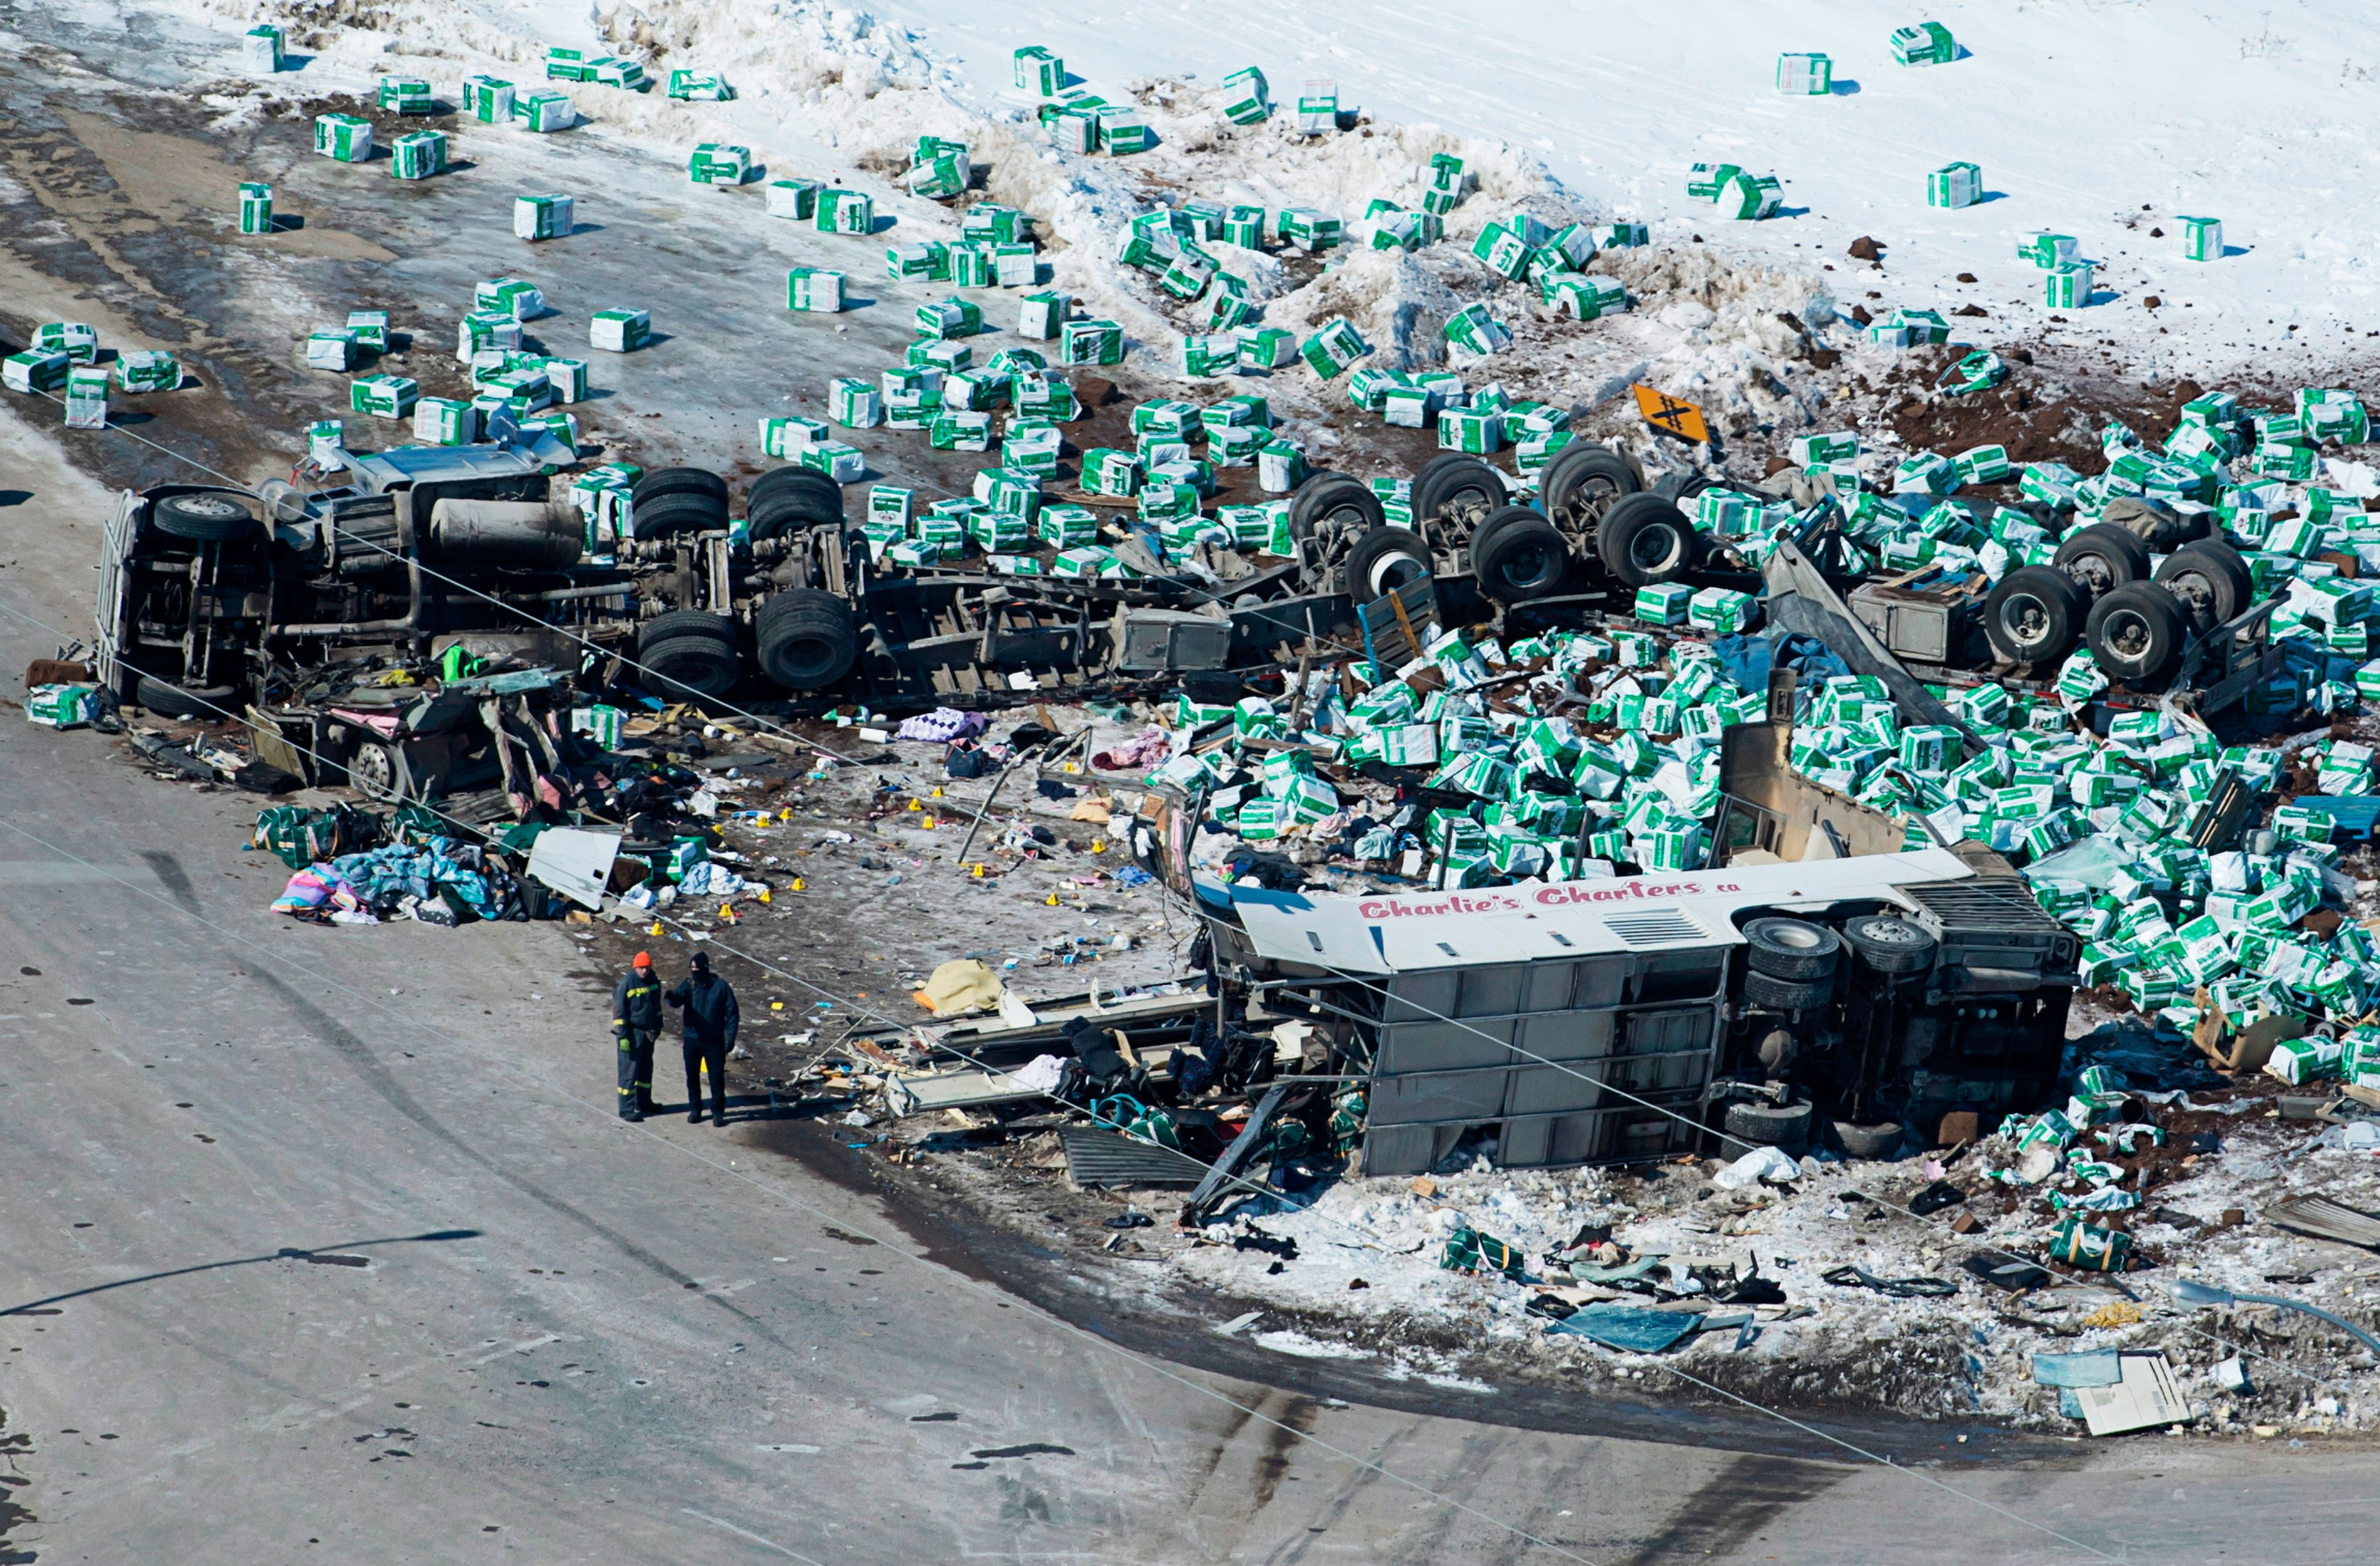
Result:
pixel 1630 1327
pixel 2093 1368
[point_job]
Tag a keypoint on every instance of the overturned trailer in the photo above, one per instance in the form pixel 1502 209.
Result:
pixel 1833 1001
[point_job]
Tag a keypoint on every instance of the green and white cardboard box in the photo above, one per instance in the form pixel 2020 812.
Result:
pixel 2045 250
pixel 544 217
pixel 1663 604
pixel 619 331
pixel 1038 71
pixel 260 49
pixel 719 162
pixel 1075 130
pixel 1333 348
pixel 1042 316
pixel 545 112
pixel 406 95
pixel 446 422
pixel 2068 286
pixel 1090 342
pixel 2198 238
pixel 846 210
pixel 842 463
pixel 1462 429
pixel 939 176
pixel 611 71
pixel 384 396
pixel 1928 43
pixel 78 340
pixel 1474 330
pixel 1214 353
pixel 482 331
pixel 514 297
pixel 1955 185
pixel 488 100
pixel 417 155
pixel 567 376
pixel 1068 527
pixel 793 197
pixel 1318 108
pixel 86 400
pixel 788 438
pixel 348 138
pixel 330 350
pixel 1502 250
pixel 1280 467
pixel 699 87
pixel 147 370
pixel 1243 96
pixel 1747 197
pixel 1122 132
pixel 325 438
pixel 60 706
pixel 853 404
pixel 564 64
pixel 1112 473
pixel 814 290
pixel 256 209
pixel 1806 76
pixel 370 328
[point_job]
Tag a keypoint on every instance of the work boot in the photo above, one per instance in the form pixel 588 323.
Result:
pixel 634 1117
pixel 694 1117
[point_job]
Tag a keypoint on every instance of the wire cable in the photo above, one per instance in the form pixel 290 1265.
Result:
pixel 1243 1183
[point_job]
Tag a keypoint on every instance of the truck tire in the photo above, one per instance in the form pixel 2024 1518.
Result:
pixel 1643 539
pixel 1889 945
pixel 2102 557
pixel 2136 633
pixel 1334 497
pixel 793 510
pixel 805 639
pixel 1758 1125
pixel 786 499
pixel 375 770
pixel 1516 555
pixel 1382 560
pixel 1456 489
pixel 2035 615
pixel 688 652
pixel 1791 948
pixel 679 481
pixel 210 516
pixel 672 515
pixel 1582 483
pixel 2210 579
pixel 1880 1141
pixel 1771 993
pixel 172 701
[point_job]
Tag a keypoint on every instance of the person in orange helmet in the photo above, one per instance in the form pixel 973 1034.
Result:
pixel 635 1025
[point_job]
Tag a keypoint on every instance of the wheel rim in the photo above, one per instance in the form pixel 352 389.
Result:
pixel 2093 572
pixel 1348 513
pixel 373 771
pixel 2126 632
pixel 2025 619
pixel 1466 508
pixel 806 660
pixel 1395 571
pixel 1587 501
pixel 2194 590
pixel 214 508
pixel 1893 932
pixel 1795 936
pixel 1653 549
pixel 1534 566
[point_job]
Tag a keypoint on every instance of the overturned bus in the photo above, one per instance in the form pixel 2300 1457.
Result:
pixel 1841 1001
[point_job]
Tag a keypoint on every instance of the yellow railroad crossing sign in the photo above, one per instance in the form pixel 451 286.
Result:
pixel 1671 416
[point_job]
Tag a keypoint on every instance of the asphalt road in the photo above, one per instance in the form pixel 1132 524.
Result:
pixel 571 1340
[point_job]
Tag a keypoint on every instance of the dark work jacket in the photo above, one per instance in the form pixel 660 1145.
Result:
pixel 709 1008
pixel 637 1003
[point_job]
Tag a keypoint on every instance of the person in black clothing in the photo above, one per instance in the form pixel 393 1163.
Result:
pixel 710 1006
pixel 636 1023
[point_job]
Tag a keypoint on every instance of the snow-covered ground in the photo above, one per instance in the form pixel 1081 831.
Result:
pixel 2093 118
